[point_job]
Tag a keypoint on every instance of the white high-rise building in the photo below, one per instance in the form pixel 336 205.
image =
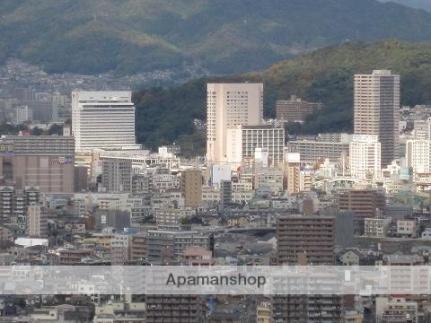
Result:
pixel 418 155
pixel 376 112
pixel 365 157
pixel 104 120
pixel 244 140
pixel 230 105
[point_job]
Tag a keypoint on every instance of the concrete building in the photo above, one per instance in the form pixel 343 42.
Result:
pixel 293 172
pixel 396 310
pixel 295 109
pixel 313 151
pixel 376 110
pixel 116 175
pixel 365 157
pixel 363 203
pixel 103 120
pixel 230 105
pixel 309 239
pixel 198 256
pixel 418 155
pixel 167 246
pixel 46 162
pixel 225 194
pixel 191 184
pixel 23 114
pixel 175 308
pixel 244 140
pixel 306 240
pixel 422 129
pixel 376 227
pixel 37 225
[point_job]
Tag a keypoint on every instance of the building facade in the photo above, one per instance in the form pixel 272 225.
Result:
pixel 230 105
pixel 295 109
pixel 376 110
pixel 365 157
pixel 244 140
pixel 104 120
pixel 46 162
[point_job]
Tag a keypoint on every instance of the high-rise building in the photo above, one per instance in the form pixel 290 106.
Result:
pixel 103 120
pixel 418 155
pixel 364 153
pixel 293 172
pixel 363 203
pixel 46 162
pixel 117 175
pixel 37 224
pixel 306 240
pixel 295 109
pixel 230 105
pixel 191 183
pixel 225 194
pixel 244 140
pixel 310 238
pixel 376 111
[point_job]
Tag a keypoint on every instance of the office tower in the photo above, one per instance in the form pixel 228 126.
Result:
pixel 46 162
pixel 365 160
pixel 306 240
pixel 37 225
pixel 244 140
pixel 376 111
pixel 116 175
pixel 103 120
pixel 365 203
pixel 314 151
pixel 295 109
pixel 293 172
pixel 225 194
pixel 418 155
pixel 310 238
pixel 191 184
pixel 230 105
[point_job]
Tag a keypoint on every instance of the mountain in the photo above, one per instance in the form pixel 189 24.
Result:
pixel 325 75
pixel 219 36
pixel 419 4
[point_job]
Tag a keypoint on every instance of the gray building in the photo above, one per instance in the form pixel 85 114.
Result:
pixel 117 175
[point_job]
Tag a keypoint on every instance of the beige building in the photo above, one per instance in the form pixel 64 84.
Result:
pixel 191 184
pixel 376 110
pixel 293 172
pixel 365 203
pixel 230 105
pixel 295 109
pixel 46 162
pixel 37 225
